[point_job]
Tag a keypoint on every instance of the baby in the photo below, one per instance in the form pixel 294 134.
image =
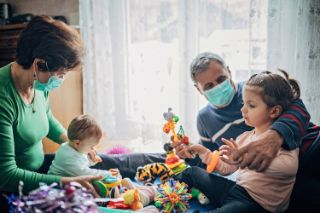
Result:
pixel 75 157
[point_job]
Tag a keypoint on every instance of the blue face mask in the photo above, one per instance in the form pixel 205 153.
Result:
pixel 221 95
pixel 53 83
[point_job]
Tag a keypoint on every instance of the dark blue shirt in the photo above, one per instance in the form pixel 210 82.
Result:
pixel 214 124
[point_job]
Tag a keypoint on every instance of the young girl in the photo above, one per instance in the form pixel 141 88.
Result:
pixel 265 96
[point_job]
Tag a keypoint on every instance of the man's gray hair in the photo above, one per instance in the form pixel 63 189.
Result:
pixel 202 61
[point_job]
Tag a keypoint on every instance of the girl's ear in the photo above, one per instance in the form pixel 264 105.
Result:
pixel 275 111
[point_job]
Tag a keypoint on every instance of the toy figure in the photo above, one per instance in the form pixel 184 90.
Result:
pixel 150 172
pixel 132 198
pixel 200 196
pixel 171 119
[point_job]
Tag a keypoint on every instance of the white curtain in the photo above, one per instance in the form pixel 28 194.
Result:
pixel 138 57
pixel 293 45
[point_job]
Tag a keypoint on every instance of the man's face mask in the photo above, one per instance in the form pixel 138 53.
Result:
pixel 221 95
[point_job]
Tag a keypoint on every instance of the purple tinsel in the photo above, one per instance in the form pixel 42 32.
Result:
pixel 71 198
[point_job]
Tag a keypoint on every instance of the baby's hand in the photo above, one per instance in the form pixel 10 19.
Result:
pixel 94 157
pixel 228 151
pixel 114 172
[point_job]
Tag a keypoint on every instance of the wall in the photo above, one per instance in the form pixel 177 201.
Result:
pixel 294 45
pixel 67 8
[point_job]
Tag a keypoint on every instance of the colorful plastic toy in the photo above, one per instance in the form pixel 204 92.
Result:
pixel 173 161
pixel 108 187
pixel 214 160
pixel 171 119
pixel 204 200
pixel 173 196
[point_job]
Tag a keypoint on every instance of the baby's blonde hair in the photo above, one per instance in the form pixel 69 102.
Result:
pixel 82 127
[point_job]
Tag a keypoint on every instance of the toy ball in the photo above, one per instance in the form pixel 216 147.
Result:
pixel 173 196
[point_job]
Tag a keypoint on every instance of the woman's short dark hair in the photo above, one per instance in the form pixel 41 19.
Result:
pixel 58 44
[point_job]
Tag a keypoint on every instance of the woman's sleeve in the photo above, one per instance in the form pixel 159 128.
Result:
pixel 10 174
pixel 55 127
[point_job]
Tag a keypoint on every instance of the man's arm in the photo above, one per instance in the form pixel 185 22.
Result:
pixel 292 124
pixel 287 131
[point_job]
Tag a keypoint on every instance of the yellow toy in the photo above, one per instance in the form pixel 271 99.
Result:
pixel 132 198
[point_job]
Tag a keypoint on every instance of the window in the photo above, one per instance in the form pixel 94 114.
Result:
pixel 139 53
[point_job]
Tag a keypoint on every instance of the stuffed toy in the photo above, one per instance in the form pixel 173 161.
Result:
pixel 150 172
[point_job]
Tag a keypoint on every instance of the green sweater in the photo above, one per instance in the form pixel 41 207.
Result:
pixel 21 134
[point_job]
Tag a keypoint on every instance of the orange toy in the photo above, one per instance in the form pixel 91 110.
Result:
pixel 214 161
pixel 132 198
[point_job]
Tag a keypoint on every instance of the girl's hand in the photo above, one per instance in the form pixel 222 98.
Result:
pixel 182 150
pixel 197 149
pixel 228 151
pixel 85 181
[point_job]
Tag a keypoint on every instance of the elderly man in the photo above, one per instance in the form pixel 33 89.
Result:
pixel 222 117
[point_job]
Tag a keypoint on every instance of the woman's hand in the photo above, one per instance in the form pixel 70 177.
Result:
pixel 85 181
pixel 228 151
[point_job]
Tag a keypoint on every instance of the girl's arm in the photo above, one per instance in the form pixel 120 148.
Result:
pixel 213 160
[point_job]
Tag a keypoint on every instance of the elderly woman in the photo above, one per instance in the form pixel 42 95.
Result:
pixel 46 51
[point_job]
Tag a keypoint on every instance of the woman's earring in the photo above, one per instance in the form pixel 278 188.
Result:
pixel 34 75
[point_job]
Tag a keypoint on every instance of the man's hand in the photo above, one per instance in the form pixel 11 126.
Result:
pixel 259 153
